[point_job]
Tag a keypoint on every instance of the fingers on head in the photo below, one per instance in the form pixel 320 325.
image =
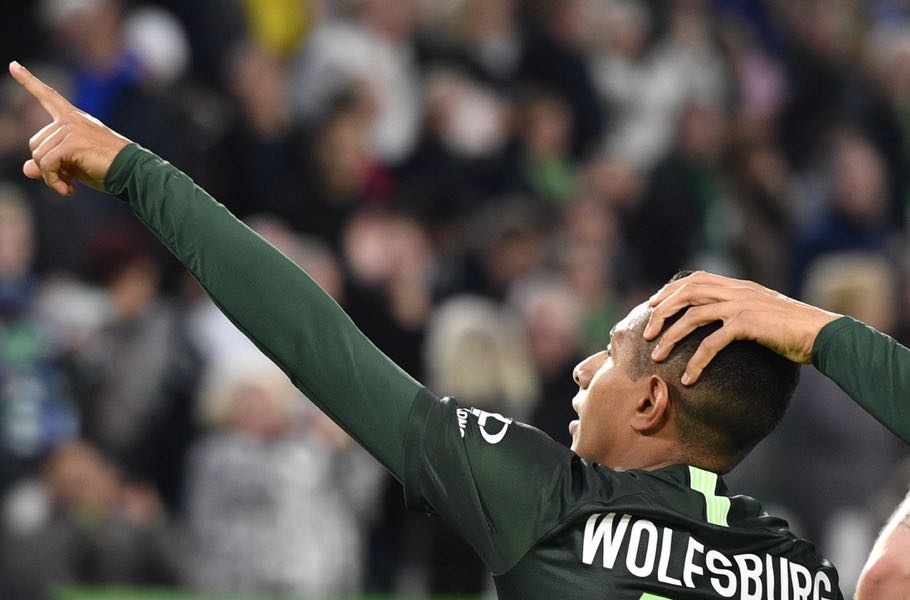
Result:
pixel 706 352
pixel 702 278
pixel 676 299
pixel 671 288
pixel 665 304
pixel 694 318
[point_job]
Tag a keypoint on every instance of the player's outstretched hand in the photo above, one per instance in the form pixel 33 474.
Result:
pixel 747 310
pixel 74 147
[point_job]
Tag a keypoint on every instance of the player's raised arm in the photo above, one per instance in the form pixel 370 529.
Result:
pixel 867 364
pixel 73 147
pixel 278 306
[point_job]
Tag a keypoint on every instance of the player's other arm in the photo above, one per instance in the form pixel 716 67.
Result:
pixel 886 575
pixel 268 297
pixel 867 364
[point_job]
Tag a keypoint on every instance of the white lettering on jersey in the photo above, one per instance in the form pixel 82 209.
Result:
pixel 666 548
pixel 802 581
pixel 769 569
pixel 784 579
pixel 690 568
pixel 711 560
pixel 750 580
pixel 646 568
pixel 743 576
pixel 603 534
pixel 821 578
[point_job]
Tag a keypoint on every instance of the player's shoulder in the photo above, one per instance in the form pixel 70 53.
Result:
pixel 692 492
pixel 687 502
pixel 683 495
pixel 700 502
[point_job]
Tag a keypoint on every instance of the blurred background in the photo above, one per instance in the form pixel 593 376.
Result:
pixel 486 186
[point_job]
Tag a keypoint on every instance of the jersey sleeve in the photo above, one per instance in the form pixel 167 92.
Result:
pixel 869 366
pixel 275 303
pixel 500 484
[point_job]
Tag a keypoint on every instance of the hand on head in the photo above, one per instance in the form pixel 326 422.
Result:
pixel 747 310
pixel 74 147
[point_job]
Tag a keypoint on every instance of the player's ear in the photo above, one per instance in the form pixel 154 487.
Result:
pixel 652 410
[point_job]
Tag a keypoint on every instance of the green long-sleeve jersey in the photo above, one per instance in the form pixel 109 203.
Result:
pixel 547 523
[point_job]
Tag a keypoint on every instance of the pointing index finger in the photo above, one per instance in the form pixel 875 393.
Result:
pixel 55 104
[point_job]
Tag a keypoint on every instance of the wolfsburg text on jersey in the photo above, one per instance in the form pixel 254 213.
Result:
pixel 644 550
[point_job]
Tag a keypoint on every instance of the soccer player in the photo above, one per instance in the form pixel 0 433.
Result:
pixel 636 510
pixel 868 365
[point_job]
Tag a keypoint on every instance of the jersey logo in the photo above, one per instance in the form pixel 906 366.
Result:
pixel 482 418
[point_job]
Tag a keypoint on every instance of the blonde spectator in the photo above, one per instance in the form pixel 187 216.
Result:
pixel 477 350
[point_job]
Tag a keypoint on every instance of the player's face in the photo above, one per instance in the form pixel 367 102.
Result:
pixel 606 395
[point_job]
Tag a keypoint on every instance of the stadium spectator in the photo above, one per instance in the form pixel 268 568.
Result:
pixel 764 190
pixel 543 163
pixel 277 494
pixel 335 174
pixel 589 259
pixel 128 376
pixel 482 38
pixel 554 58
pixel 688 205
pixel 552 318
pixel 80 522
pixel 855 215
pixel 108 76
pixel 371 45
pixel 38 409
pixel 886 55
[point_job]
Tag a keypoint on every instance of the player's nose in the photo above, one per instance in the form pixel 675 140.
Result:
pixel 583 372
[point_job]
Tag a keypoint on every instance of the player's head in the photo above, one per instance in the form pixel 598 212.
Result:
pixel 633 410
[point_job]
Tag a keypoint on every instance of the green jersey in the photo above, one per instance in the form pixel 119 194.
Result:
pixel 547 523
pixel 552 525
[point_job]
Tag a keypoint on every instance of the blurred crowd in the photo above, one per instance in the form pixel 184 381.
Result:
pixel 486 186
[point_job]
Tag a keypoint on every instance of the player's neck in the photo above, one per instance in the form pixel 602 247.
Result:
pixel 649 454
